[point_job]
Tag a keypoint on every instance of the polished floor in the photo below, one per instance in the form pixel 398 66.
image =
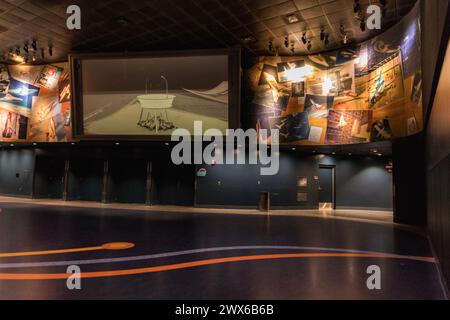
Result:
pixel 135 254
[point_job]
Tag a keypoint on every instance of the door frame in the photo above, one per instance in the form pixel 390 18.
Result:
pixel 333 182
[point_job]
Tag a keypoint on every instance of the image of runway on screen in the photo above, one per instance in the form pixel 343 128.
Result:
pixel 154 96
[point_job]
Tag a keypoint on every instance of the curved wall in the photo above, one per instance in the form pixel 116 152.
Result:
pixel 35 103
pixel 366 93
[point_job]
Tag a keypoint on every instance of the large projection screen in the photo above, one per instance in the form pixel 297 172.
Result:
pixel 152 96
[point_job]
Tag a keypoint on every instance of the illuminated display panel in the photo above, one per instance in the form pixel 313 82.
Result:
pixel 35 103
pixel 359 94
pixel 149 97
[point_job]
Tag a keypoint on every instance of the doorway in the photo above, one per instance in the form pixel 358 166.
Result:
pixel 327 188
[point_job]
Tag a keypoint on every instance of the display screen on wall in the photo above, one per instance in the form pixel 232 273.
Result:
pixel 35 103
pixel 151 96
pixel 366 93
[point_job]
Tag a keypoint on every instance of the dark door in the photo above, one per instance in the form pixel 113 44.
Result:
pixel 127 180
pixel 49 177
pixel 86 177
pixel 326 187
pixel 175 184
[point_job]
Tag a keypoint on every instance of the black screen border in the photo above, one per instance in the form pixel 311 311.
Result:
pixel 75 63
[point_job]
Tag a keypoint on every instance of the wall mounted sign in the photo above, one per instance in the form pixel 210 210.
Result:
pixel 201 172
pixel 302 182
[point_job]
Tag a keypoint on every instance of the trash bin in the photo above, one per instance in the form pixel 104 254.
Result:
pixel 264 201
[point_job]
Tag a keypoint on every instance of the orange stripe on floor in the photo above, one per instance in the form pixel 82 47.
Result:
pixel 106 246
pixel 185 265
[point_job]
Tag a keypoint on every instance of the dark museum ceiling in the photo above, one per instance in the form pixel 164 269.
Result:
pixel 183 24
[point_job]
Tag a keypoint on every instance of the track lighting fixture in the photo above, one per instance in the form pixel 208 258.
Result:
pixel 345 39
pixel 344 36
pixel 50 50
pixel 309 46
pixel 248 39
pixel 18 51
pixel 322 34
pixel 25 48
pixel 270 47
pixel 292 18
pixel 286 41
pixel 356 6
pixel 362 25
pixel 304 38
pixel 34 45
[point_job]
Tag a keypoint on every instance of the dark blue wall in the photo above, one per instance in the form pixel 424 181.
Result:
pixel 48 177
pixel 361 183
pixel 16 172
pixel 240 185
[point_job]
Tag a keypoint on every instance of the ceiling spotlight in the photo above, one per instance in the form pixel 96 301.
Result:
pixel 248 39
pixel 123 21
pixel 286 41
pixel 356 6
pixel 304 38
pixel 18 51
pixel 327 40
pixel 50 50
pixel 270 47
pixel 344 36
pixel 322 34
pixel 362 25
pixel 345 39
pixel 34 45
pixel 292 18
pixel 292 47
pixel 309 46
pixel 25 48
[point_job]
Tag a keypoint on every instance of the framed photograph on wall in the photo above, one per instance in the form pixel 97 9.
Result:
pixel 302 197
pixel 302 182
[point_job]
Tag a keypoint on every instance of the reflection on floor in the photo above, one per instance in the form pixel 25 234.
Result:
pixel 125 254
pixel 357 215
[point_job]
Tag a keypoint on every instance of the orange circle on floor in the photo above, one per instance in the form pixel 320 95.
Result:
pixel 118 245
